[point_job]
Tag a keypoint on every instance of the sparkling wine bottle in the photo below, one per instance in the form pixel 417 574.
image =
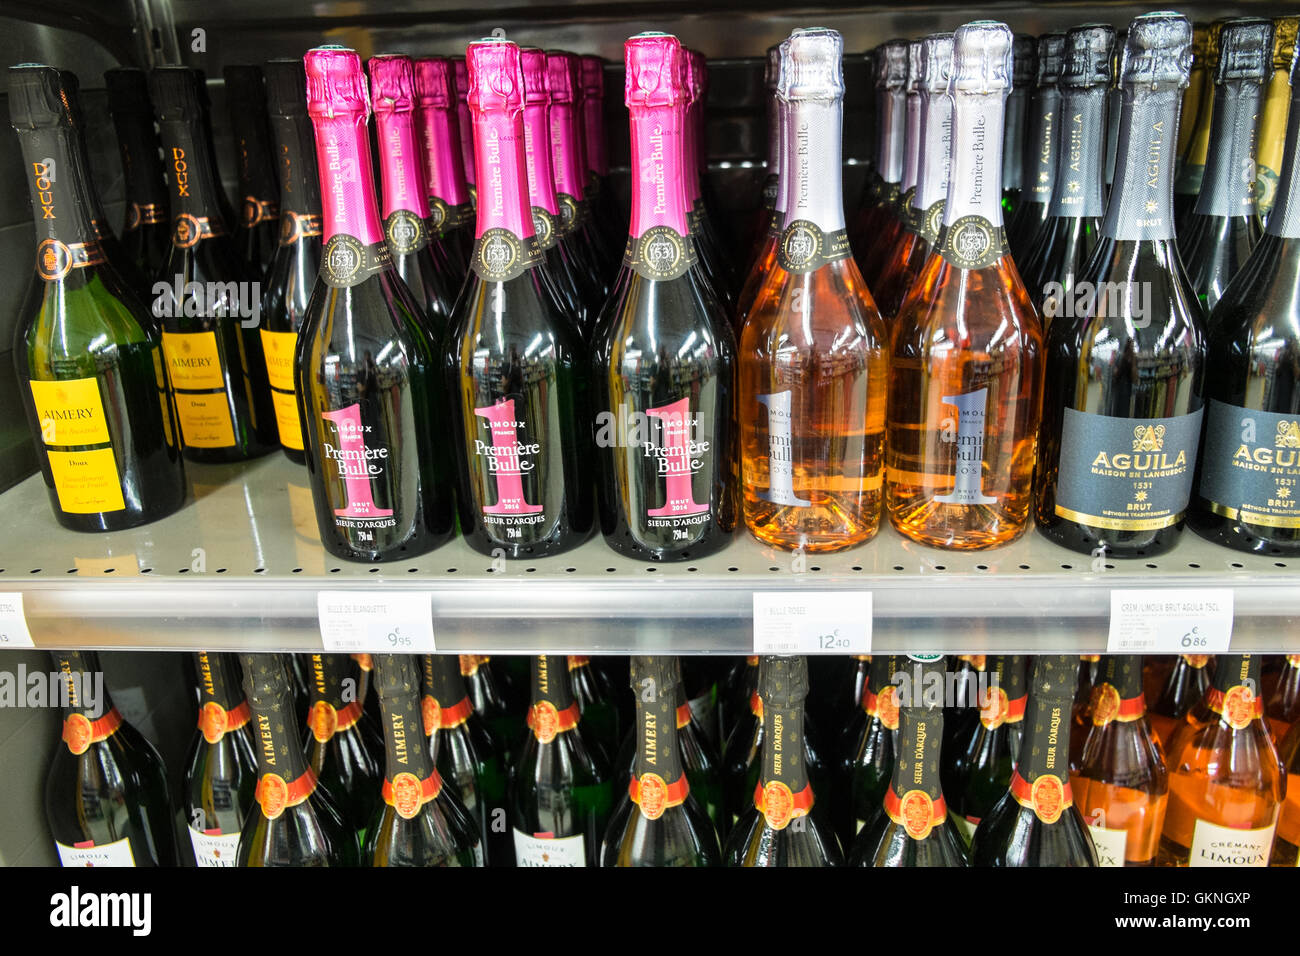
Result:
pixel 764 257
pixel 259 219
pixel 714 259
pixel 596 698
pixel 451 213
pixel 763 229
pixel 879 215
pixel 146 234
pixel 607 213
pixel 1024 68
pixel 867 750
pixel 1187 186
pixel 1283 706
pixel 736 689
pixel 1286 843
pixel 460 90
pixel 1185 684
pixel 1039 163
pixel 1200 85
pixel 492 701
pixel 1271 147
pixel 894 239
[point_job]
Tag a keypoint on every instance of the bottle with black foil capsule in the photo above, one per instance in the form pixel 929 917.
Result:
pixel 1040 146
pixel 778 828
pixel 1225 225
pixel 1064 244
pixel 146 234
pixel 664 356
pixel 1122 412
pixel 420 821
pixel 764 257
pixel 106 795
pixel 761 229
pixel 86 353
pixel 560 791
pixel 336 750
pixel 1036 822
pixel 914 829
pixel 295 821
pixel 492 701
pixel 1274 115
pixel 866 751
pixel 575 228
pixel 451 214
pixel 514 358
pixel 966 375
pixel 465 753
pixel 203 298
pixel 259 212
pixel 659 822
pixel 369 396
pixel 221 767
pixel 1185 684
pixel 715 262
pixel 292 274
pixel 1024 69
pixel 1248 481
pixel 596 698
pixel 595 149
pixel 405 207
pixel 879 215
pixel 813 368
pixel 1191 174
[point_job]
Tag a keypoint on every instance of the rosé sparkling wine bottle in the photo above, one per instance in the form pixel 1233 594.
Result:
pixel 451 213
pixel 367 381
pixel 514 356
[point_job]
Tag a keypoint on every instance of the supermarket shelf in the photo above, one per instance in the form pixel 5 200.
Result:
pixel 239 567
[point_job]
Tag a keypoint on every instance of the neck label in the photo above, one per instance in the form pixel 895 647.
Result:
pixel 660 253
pixel 347 261
pixel 500 255
pixel 973 242
pixel 803 247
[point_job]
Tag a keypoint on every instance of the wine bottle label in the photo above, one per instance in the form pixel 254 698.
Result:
pixel 199 382
pixel 80 731
pixel 968 468
pixel 213 848
pixel 405 232
pixel 1238 706
pixel 1228 186
pixel 997 708
pixel 1047 796
pixel 55 259
pixel 547 722
pixel 546 850
pixel 930 222
pixel 324 720
pixel 274 794
pixel 908 214
pixel 504 459
pixel 653 795
pixel 972 242
pixel 1214 845
pixel 295 227
pixel 215 721
pixel 544 228
pixel 117 853
pixel 573 214
pixel 660 253
pixel 780 453
pixel 147 214
pixel 916 811
pixel 882 705
pixel 679 455
pixel 1141 204
pixel 71 415
pixel 500 255
pixel 1079 167
pixel 779 805
pixel 279 348
pixel 1250 470
pixel 436 717
pixel 1126 474
pixel 254 211
pixel 1106 705
pixel 684 715
pixel 407 794
pixel 804 247
pixel 347 261
pixel 356 464
pixel 1110 845
pixel 470 663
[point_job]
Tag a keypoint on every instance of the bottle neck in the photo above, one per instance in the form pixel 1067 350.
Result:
pixel 1080 163
pixel 503 201
pixel 1040 148
pixel 1141 202
pixel 659 177
pixel 775 135
pixel 325 679
pixel 891 118
pixel 218 682
pixel 658 752
pixel 935 152
pixel 1237 670
pixel 191 179
pixel 83 685
pixel 444 174
pixel 1118 695
pixel 783 750
pixel 593 132
pixel 915 799
pixel 550 681
pixel 446 701
pixel 1284 220
pixel 1225 190
pixel 300 214
pixel 256 179
pixel 399 158
pixel 912 141
pixel 570 177
pixel 1016 111
pixel 141 167
pixel 1045 750
pixel 975 184
pixel 812 165
pixel 347 178
pixel 405 750
pixel 279 752
pixel 64 230
pixel 541 178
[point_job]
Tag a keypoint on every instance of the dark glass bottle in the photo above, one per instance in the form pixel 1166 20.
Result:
pixel 1024 69
pixel 714 256
pixel 1125 372
pixel 1185 685
pixel 607 211
pixel 778 827
pixel 1038 167
pixel 451 214
pixel 1192 172
pixel 220 768
pixel 596 698
pixel 760 230
pixel 1286 843
pixel 878 221
pixel 86 353
pixel 259 199
pixel 460 91
pixel 736 688
pixel 146 234
pixel 1081 711
pixel 492 701
pixel 106 799
pixel 867 750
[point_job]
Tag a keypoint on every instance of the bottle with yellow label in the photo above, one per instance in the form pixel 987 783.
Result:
pixel 87 353
pixel 1273 120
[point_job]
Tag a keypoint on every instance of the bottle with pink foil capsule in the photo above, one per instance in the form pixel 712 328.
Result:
pixel 578 291
pixel 607 213
pixel 368 388
pixel 405 199
pixel 451 213
pixel 663 352
pixel 515 359
pixel 711 259
pixel 460 91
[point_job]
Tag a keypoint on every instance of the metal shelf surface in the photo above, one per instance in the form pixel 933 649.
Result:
pixel 239 567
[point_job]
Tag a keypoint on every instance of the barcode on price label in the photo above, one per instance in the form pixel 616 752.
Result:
pixel 13 622
pixel 812 622
pixel 1170 621
pixel 396 623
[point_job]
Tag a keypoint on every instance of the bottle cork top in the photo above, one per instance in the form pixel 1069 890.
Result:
pixel 496 81
pixel 655 71
pixel 811 65
pixel 561 76
pixel 1157 51
pixel 915 65
pixel 392 83
pixel 1284 36
pixel 772 68
pixel 1245 50
pixel 1051 57
pixel 981 58
pixel 533 62
pixel 1089 55
pixel 891 65
pixel 592 70
pixel 434 82
pixel 936 54
pixel 37 97
pixel 1024 59
pixel 782 680
pixel 175 92
pixel 335 82
pixel 286 87
pixel 128 91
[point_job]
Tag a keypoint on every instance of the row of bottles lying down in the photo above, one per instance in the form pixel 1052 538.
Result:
pixel 1061 371
pixel 780 761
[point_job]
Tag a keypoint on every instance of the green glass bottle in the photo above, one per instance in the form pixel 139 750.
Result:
pixel 335 746
pixel 867 751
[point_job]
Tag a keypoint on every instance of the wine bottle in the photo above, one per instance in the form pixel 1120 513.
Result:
pixel 1226 782
pixel 1040 146
pixel 214 360
pixel 460 89
pixel 1081 710
pixel 466 753
pixel 295 821
pixel 259 220
pixel 591 76
pixel 1037 822
pixel 1225 225
pixel 813 354
pixel 778 828
pixel 146 234
pixel 1024 68
pixel 490 700
pixel 1121 786
pixel 86 353
pixel 1200 84
pixel 514 358
pixel 893 240
pixel 664 357
pixel 658 822
pixel 1187 186
pixel 596 698
pixel 1271 143
pixel 702 679
pixel 1249 473
pixel 451 214
pixel 1186 684
pixel 914 829
pixel 1283 705
pixel 368 392
pixel 982 754
pixel 713 255
pixel 405 195
pixel 1064 244
pixel 292 274
pixel 762 229
pixel 1286 843
pixel 764 257
pixel 421 821
pixel 106 798
pixel 579 293
pixel 560 792
pixel 1114 107
pixel 336 751
pixel 880 212
pixel 220 768
pixel 966 375
pixel 1122 413
pixel 738 686
pixel 867 751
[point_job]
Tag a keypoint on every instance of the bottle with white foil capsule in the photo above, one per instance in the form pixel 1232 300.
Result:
pixel 368 395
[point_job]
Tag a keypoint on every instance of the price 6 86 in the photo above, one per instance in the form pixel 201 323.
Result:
pixel 1193 639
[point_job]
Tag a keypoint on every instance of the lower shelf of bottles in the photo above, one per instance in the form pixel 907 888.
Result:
pixel 240 565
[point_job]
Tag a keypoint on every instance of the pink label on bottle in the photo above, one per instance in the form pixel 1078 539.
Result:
pixel 570 177
pixel 400 159
pixel 503 201
pixel 658 191
pixel 593 119
pixel 347 177
pixel 537 147
pixel 463 120
pixel 508 459
pixel 678 456
pixel 444 176
pixel 357 464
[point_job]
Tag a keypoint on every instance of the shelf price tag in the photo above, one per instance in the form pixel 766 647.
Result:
pixel 1170 621
pixel 13 622
pixel 392 623
pixel 812 622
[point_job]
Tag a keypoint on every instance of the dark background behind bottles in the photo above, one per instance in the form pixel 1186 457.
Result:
pixel 89 36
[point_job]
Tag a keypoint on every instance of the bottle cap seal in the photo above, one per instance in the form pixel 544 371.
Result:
pixel 335 82
pixel 1089 56
pixel 811 66
pixel 654 75
pixel 981 58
